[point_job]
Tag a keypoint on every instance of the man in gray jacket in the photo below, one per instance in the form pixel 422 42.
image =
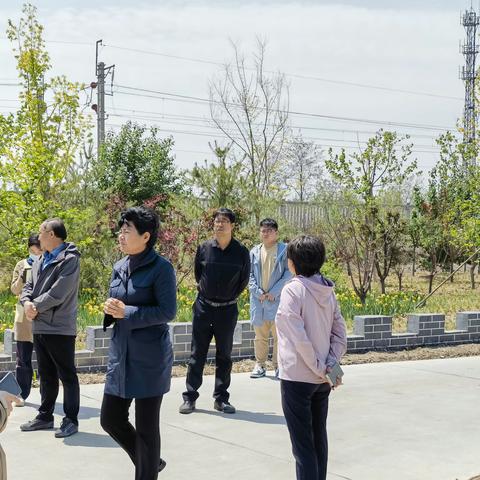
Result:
pixel 50 300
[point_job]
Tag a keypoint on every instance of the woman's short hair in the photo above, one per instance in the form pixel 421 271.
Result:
pixel 225 212
pixel 33 241
pixel 307 254
pixel 144 220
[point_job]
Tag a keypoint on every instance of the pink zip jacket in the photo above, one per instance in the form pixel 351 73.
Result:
pixel 311 330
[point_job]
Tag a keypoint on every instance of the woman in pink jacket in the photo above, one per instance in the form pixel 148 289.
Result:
pixel 312 337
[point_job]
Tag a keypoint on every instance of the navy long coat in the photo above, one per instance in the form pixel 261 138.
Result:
pixel 140 357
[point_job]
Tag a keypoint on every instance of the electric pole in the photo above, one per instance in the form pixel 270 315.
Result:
pixel 100 105
pixel 101 73
pixel 470 21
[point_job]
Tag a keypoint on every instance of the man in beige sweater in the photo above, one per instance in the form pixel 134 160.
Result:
pixel 269 273
pixel 22 326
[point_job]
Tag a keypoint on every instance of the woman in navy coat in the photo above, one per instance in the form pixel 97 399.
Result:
pixel 142 299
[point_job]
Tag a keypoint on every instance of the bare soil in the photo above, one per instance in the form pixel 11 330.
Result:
pixel 420 353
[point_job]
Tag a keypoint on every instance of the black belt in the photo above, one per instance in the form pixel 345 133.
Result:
pixel 217 304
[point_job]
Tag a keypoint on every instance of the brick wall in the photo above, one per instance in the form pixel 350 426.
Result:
pixel 371 332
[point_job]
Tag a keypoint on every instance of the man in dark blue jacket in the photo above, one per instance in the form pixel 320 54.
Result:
pixel 50 300
pixel 222 270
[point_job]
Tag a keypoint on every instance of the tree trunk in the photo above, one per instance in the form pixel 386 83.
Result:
pixel 430 282
pixel 414 260
pixel 399 276
pixel 451 271
pixel 472 273
pixel 382 284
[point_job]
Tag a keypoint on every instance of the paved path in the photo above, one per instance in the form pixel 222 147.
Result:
pixel 392 421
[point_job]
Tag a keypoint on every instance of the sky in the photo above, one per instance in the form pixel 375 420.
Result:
pixel 352 66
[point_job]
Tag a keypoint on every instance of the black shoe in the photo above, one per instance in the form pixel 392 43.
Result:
pixel 66 429
pixel 162 465
pixel 224 407
pixel 188 406
pixel 36 424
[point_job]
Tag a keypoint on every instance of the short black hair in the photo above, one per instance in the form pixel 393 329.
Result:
pixel 57 226
pixel 144 219
pixel 307 254
pixel 33 241
pixel 225 212
pixel 269 223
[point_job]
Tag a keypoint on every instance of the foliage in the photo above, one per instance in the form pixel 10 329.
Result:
pixel 362 232
pixel 38 143
pixel 136 165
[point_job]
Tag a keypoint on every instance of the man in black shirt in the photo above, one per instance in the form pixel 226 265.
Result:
pixel 222 270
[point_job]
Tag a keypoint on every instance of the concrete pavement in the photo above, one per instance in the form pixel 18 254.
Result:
pixel 392 421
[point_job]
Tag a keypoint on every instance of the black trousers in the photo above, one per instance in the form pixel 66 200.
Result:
pixel 211 322
pixel 142 442
pixel 23 369
pixel 56 360
pixel 305 406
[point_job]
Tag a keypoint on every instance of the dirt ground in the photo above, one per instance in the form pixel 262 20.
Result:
pixel 421 353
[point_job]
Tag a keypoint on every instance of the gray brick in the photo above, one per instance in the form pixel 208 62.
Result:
pixel 83 353
pixel 180 347
pixel 447 338
pixel 414 341
pixel 383 328
pixel 438 331
pixel 364 344
pixel 460 337
pixel 189 328
pixel 179 328
pixel 398 341
pixel 381 343
pixel 81 362
pixel 183 338
pixel 431 340
pixel 387 334
pixel 247 335
pixel 181 356
pixel 246 352
pixel 101 352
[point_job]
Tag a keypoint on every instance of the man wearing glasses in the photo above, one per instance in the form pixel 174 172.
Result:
pixel 222 269
pixel 269 273
pixel 50 300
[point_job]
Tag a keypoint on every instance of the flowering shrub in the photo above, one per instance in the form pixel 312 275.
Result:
pixel 394 304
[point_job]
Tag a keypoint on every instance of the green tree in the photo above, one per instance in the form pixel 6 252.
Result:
pixel 363 240
pixel 136 165
pixel 38 143
pixel 221 183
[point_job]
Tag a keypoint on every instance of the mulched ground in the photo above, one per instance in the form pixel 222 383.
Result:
pixel 421 353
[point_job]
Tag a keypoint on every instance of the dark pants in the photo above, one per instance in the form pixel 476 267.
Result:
pixel 305 406
pixel 24 370
pixel 209 322
pixel 56 360
pixel 142 442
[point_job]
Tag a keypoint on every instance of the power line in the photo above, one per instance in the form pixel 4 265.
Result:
pixel 192 99
pixel 221 135
pixel 293 75
pixel 172 122
pixel 194 118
